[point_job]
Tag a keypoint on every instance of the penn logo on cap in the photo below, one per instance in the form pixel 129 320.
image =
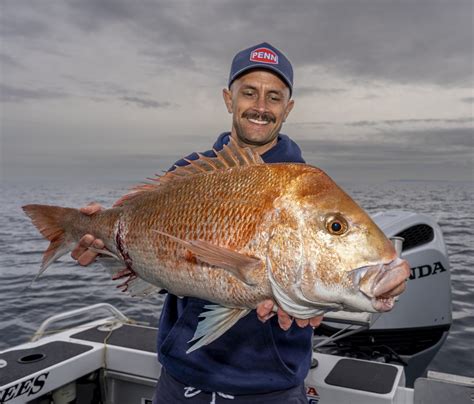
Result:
pixel 264 55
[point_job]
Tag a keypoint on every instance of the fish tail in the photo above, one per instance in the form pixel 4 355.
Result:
pixel 52 221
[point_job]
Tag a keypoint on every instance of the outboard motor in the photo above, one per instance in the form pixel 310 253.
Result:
pixel 413 332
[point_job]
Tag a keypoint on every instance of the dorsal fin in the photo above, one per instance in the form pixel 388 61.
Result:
pixel 231 155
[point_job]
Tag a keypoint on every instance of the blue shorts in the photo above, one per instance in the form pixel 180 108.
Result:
pixel 169 390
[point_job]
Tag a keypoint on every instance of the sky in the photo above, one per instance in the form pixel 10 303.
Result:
pixel 109 90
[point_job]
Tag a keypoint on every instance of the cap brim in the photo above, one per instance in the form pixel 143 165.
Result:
pixel 273 69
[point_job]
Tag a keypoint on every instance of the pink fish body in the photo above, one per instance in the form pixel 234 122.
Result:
pixel 236 231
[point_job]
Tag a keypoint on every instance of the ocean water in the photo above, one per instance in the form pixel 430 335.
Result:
pixel 66 286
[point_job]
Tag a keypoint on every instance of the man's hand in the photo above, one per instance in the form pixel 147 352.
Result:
pixel 81 252
pixel 265 311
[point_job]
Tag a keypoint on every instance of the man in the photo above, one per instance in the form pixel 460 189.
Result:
pixel 252 362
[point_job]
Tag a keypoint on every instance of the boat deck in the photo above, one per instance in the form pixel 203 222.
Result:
pixel 120 360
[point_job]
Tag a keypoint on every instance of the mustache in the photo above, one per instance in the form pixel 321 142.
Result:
pixel 264 116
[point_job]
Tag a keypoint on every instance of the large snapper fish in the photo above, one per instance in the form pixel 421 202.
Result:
pixel 237 231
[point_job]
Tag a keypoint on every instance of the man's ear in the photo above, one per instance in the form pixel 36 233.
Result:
pixel 289 107
pixel 227 95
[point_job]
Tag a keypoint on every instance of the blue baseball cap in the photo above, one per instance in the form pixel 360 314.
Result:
pixel 262 56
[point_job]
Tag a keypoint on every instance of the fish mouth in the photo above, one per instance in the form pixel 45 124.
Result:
pixel 382 283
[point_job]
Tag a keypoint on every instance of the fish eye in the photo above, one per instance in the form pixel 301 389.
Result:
pixel 336 225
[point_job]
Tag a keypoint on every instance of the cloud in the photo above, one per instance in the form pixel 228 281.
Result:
pixel 302 91
pixel 17 94
pixel 115 59
pixel 145 103
pixel 425 41
pixel 395 122
pixel 402 146
pixel 103 87
pixel 418 155
pixel 413 122
pixel 7 60
pixel 27 29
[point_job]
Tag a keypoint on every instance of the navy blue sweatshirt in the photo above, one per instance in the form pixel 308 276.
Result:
pixel 250 358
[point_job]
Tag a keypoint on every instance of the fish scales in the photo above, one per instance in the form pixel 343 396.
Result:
pixel 218 208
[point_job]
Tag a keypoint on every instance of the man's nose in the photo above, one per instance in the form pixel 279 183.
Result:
pixel 261 104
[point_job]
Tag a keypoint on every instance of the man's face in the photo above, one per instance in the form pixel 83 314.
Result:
pixel 259 102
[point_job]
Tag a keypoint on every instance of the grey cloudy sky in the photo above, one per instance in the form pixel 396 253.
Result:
pixel 111 89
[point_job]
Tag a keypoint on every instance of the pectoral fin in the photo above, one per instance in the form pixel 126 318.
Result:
pixel 217 320
pixel 240 265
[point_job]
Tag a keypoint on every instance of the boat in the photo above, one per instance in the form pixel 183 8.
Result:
pixel 357 357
